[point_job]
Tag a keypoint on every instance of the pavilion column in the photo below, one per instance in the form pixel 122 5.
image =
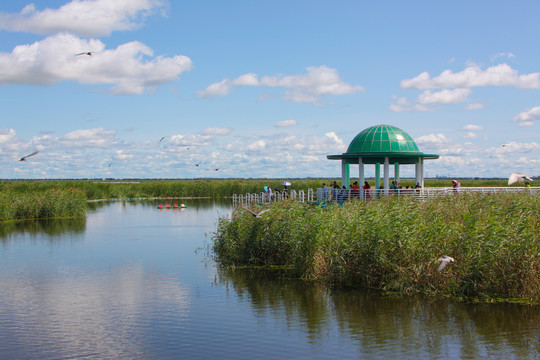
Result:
pixel 386 185
pixel 345 174
pixel 361 172
pixel 421 164
pixel 377 176
pixel 396 171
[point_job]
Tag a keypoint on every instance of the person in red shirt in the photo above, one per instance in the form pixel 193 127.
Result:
pixel 355 190
pixel 366 188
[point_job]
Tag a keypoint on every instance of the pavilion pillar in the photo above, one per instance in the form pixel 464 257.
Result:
pixel 396 171
pixel 386 175
pixel 361 177
pixel 345 174
pixel 377 176
pixel 421 163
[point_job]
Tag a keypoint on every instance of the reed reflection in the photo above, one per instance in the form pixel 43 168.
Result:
pixel 34 229
pixel 382 325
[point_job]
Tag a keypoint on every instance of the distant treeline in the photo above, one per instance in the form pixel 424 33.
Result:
pixel 394 244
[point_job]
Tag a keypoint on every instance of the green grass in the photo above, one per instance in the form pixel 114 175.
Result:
pixel 393 245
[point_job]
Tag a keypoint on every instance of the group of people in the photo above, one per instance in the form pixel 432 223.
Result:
pixel 276 193
pixel 335 192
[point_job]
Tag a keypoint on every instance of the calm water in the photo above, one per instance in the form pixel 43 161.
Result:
pixel 135 282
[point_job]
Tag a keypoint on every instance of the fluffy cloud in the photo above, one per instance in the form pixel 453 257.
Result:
pixel 97 137
pixel 470 135
pixel 85 18
pixel 216 131
pixel 527 117
pixel 129 68
pixel 402 104
pixel 472 127
pixel 474 106
pixel 433 140
pixel 319 81
pixel 286 123
pixel 499 75
pixel 445 96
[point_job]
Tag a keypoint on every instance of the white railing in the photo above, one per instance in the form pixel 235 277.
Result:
pixel 340 195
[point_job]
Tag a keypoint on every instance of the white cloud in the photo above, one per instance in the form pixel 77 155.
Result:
pixel 319 81
pixel 474 106
pixel 286 123
pixel 98 137
pixel 402 104
pixel 129 68
pixel 7 135
pixel 472 127
pixel 85 18
pixel 508 55
pixel 470 135
pixel 444 96
pixel 499 75
pixel 527 117
pixel 433 140
pixel 189 140
pixel 216 131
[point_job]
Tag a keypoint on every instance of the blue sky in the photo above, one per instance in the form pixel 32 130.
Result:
pixel 264 89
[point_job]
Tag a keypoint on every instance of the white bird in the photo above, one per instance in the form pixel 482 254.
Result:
pixel 257 215
pixel 518 178
pixel 444 260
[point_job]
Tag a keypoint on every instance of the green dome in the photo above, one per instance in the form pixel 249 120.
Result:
pixel 382 138
pixel 376 143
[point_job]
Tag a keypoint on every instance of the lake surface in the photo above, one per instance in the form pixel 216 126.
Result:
pixel 132 281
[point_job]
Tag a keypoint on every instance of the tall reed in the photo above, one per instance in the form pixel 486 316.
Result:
pixel 41 205
pixel 394 244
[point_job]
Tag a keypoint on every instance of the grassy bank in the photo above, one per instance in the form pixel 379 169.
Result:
pixel 50 203
pixel 394 245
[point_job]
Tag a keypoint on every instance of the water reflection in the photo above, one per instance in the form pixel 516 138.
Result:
pixel 34 229
pixel 389 327
pixel 133 284
pixel 81 315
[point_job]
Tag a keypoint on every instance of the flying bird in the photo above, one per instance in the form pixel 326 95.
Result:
pixel 257 215
pixel 444 260
pixel 518 178
pixel 197 164
pixel 162 139
pixel 89 53
pixel 27 156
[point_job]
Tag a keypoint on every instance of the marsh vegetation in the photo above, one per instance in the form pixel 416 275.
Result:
pixel 393 245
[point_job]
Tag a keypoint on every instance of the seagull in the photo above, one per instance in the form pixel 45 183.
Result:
pixel 518 178
pixel 24 157
pixel 162 139
pixel 444 260
pixel 89 53
pixel 257 215
pixel 197 164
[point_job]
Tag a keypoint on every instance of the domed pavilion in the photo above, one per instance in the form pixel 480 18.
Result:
pixel 382 144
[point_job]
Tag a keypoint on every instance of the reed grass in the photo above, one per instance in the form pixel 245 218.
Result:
pixel 50 203
pixel 393 245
